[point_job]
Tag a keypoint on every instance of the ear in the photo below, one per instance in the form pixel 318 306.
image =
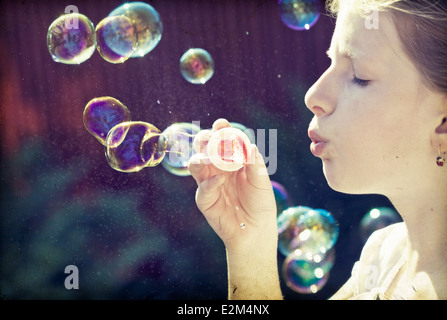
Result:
pixel 442 128
pixel 441 135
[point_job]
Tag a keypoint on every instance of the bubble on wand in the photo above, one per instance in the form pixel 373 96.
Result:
pixel 227 149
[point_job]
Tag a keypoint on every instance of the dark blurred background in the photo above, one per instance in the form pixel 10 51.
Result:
pixel 140 235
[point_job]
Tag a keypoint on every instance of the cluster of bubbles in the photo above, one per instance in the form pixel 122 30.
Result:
pixel 131 146
pixel 306 238
pixel 131 30
pixel 299 14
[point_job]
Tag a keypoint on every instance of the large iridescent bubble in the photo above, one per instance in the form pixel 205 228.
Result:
pixel 117 38
pixel 289 229
pixel 307 274
pixel 196 66
pixel 71 39
pixel 179 139
pixel 299 14
pixel 320 231
pixel 147 23
pixel 103 113
pixel 132 146
pixel 314 231
pixel 376 219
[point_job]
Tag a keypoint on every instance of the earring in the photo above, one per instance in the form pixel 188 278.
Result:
pixel 440 160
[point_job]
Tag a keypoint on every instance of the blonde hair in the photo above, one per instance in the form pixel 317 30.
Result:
pixel 422 28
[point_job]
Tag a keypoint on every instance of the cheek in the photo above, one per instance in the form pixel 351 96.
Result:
pixel 370 117
pixel 366 137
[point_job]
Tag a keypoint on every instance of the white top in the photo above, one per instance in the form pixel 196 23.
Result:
pixel 380 261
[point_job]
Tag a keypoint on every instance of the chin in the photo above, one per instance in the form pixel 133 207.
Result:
pixel 348 183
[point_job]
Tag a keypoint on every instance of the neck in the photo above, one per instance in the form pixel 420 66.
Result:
pixel 425 217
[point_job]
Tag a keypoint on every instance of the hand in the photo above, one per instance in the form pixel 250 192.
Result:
pixel 230 199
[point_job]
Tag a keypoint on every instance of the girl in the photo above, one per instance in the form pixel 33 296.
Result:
pixel 379 126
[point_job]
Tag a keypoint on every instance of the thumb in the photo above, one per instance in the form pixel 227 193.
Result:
pixel 208 192
pixel 256 171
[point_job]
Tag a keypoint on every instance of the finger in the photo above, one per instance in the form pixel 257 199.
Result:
pixel 198 167
pixel 208 192
pixel 220 123
pixel 201 141
pixel 256 171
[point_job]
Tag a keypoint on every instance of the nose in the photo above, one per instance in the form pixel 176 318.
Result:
pixel 320 98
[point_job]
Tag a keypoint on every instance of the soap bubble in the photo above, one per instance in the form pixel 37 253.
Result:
pixel 282 198
pixel 179 139
pixel 320 231
pixel 196 66
pixel 314 231
pixel 132 146
pixel 117 38
pixel 71 39
pixel 307 274
pixel 288 228
pixel 299 14
pixel 147 23
pixel 228 149
pixel 102 114
pixel 376 219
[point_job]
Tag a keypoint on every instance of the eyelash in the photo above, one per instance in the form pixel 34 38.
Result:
pixel 360 82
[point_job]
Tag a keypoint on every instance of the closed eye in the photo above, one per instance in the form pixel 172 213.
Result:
pixel 360 82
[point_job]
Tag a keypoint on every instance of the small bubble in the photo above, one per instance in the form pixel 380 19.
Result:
pixel 299 14
pixel 101 114
pixel 148 25
pixel 196 66
pixel 242 225
pixel 179 139
pixel 376 219
pixel 69 42
pixel 117 38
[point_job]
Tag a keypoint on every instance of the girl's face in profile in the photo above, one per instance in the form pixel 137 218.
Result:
pixel 374 115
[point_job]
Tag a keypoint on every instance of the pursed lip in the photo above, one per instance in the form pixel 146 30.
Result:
pixel 318 143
